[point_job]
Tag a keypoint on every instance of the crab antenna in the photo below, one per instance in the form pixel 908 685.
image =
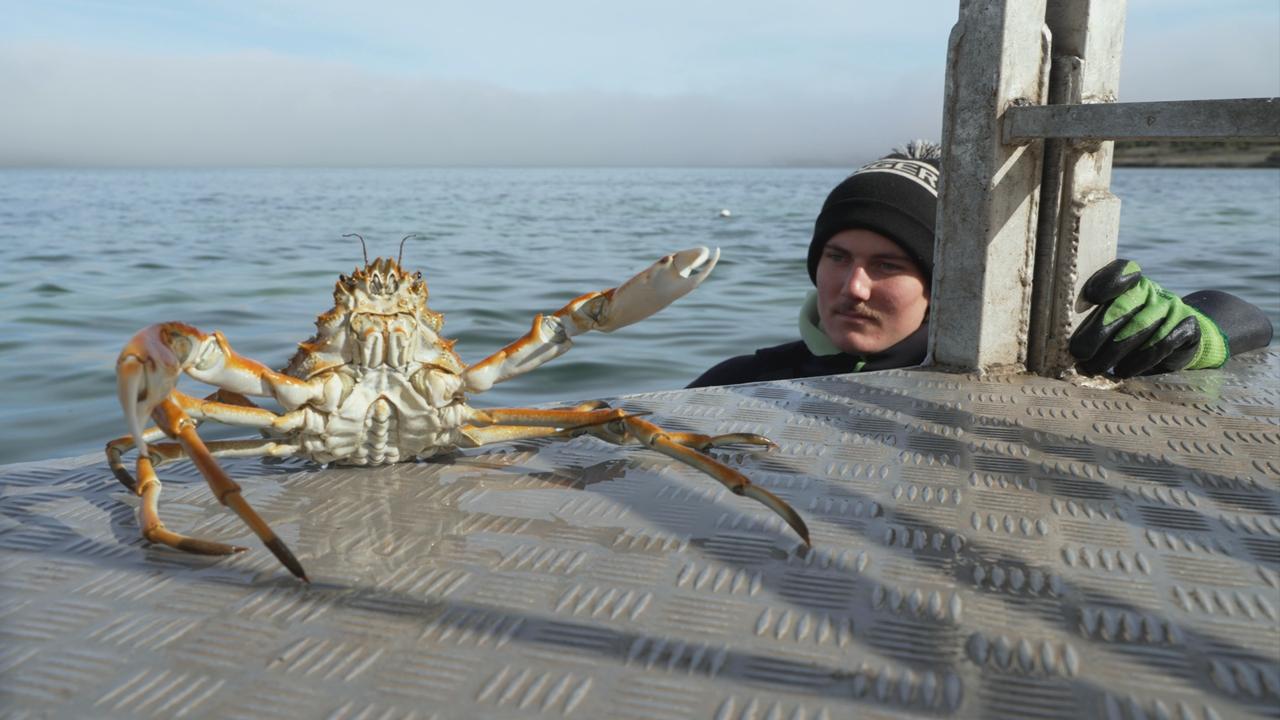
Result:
pixel 406 237
pixel 363 250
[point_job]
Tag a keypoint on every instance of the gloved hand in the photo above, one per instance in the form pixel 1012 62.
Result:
pixel 1138 327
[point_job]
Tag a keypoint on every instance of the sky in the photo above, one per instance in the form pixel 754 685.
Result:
pixel 552 82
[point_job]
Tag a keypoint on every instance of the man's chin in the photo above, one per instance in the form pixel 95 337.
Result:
pixel 858 344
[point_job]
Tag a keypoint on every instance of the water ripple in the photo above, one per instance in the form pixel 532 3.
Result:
pixel 43 258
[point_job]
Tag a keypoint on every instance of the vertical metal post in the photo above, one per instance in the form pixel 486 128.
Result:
pixel 1079 231
pixel 998 56
pixel 1063 76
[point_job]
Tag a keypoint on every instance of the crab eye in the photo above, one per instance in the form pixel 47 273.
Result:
pixel 375 285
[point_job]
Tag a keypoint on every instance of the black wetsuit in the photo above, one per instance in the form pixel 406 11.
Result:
pixel 793 360
pixel 1245 326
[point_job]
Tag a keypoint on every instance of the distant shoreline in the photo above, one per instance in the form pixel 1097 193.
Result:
pixel 1197 154
pixel 1136 154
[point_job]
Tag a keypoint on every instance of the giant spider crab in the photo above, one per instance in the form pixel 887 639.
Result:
pixel 378 384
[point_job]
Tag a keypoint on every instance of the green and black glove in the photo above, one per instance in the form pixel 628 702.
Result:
pixel 1140 327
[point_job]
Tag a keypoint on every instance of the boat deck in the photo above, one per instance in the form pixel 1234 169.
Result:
pixel 982 546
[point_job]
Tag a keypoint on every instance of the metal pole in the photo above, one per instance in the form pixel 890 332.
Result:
pixel 997 57
pixel 1062 89
pixel 1088 35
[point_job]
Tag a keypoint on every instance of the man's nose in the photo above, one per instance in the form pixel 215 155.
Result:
pixel 858 284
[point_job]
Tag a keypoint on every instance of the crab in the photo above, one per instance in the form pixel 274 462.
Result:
pixel 378 384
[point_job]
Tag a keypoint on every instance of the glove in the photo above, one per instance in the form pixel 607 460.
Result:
pixel 1140 327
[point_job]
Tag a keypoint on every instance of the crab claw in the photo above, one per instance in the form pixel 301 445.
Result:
pixel 146 372
pixel 661 284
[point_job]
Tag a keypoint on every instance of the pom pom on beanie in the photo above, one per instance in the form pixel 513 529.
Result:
pixel 895 196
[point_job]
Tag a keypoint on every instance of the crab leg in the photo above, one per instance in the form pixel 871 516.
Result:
pixel 250 416
pixel 551 335
pixel 240 411
pixel 162 453
pixel 671 445
pixel 618 427
pixel 153 529
pixel 149 365
pixel 528 423
pixel 498 424
pixel 477 435
pixel 121 445
pixel 176 423
pixel 698 441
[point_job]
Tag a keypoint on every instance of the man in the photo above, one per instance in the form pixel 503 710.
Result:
pixel 871 262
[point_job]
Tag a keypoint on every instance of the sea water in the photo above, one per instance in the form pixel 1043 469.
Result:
pixel 92 256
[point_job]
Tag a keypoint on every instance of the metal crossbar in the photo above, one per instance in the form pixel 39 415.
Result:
pixel 1168 120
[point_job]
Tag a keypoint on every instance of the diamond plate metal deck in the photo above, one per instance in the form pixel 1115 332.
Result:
pixel 983 547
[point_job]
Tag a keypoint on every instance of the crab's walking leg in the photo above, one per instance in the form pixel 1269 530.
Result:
pixel 176 423
pixel 249 416
pixel 618 427
pixel 162 453
pixel 239 411
pixel 551 335
pixel 502 433
pixel 540 423
pixel 473 436
pixel 121 445
pixel 698 441
pixel 477 435
pixel 670 444
pixel 153 528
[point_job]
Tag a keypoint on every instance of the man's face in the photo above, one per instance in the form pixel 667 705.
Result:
pixel 871 294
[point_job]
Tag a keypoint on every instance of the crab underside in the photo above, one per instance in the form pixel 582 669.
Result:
pixel 378 384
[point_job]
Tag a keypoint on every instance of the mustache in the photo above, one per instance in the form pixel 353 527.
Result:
pixel 856 308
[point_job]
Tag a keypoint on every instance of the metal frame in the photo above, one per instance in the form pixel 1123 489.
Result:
pixel 1025 212
pixel 1168 120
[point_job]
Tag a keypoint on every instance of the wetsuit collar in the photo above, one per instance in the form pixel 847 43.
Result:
pixel 811 328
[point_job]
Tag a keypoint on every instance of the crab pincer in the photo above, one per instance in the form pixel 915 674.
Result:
pixel 662 283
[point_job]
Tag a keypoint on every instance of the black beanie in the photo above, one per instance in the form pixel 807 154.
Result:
pixel 896 196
